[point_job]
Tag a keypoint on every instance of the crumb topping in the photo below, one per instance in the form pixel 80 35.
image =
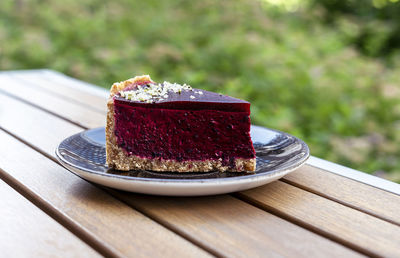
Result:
pixel 152 92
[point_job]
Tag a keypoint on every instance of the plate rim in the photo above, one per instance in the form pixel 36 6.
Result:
pixel 219 181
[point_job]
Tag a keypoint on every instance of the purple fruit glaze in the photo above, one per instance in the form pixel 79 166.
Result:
pixel 206 100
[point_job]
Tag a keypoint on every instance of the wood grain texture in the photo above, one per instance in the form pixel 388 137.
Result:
pixel 234 228
pixel 70 110
pixel 72 199
pixel 32 124
pixel 323 183
pixel 40 81
pixel 66 80
pixel 348 233
pixel 26 231
pixel 349 226
pixel 214 228
pixel 349 192
pixel 366 198
pixel 355 175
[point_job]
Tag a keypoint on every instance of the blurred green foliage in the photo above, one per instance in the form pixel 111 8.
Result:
pixel 376 23
pixel 329 76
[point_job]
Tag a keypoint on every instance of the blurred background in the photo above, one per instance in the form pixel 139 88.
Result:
pixel 327 71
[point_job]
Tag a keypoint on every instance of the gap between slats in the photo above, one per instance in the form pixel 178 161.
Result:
pixel 305 188
pixel 293 183
pixel 303 224
pixel 39 107
pixel 245 199
pixel 52 93
pixel 172 228
pixel 26 231
pixel 57 215
pixel 112 192
pixel 70 224
pixel 85 236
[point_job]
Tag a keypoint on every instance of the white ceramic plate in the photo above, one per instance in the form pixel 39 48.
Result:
pixel 277 154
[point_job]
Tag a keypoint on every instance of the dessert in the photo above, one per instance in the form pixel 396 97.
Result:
pixel 172 127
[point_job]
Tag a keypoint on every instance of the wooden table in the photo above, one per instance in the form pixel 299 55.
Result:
pixel 322 209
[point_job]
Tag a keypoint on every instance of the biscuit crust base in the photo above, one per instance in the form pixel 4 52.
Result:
pixel 117 157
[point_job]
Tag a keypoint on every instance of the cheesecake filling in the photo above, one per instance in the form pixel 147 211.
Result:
pixel 181 135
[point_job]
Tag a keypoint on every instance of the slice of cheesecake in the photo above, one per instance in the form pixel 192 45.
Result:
pixel 172 127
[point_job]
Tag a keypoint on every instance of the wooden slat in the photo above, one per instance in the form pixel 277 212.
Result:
pixel 237 228
pixel 22 119
pixel 71 82
pixel 69 110
pixel 349 192
pixel 316 181
pixel 117 226
pixel 40 82
pixel 349 226
pixel 217 230
pixel 110 224
pixel 26 231
pixel 356 175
